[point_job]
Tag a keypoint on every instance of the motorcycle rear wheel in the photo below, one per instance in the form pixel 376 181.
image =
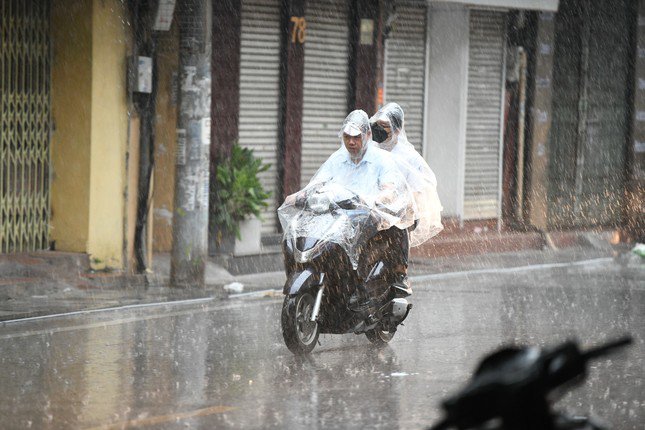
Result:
pixel 299 332
pixel 378 336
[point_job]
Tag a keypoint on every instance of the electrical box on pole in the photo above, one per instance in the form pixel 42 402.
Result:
pixel 190 219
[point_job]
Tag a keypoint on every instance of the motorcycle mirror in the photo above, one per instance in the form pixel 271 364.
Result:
pixel 378 133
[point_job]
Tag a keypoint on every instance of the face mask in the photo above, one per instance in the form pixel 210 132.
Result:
pixel 378 133
pixel 380 136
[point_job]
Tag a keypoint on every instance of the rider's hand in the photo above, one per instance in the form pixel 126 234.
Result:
pixel 297 199
pixel 291 199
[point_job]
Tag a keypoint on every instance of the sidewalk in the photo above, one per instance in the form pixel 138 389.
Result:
pixel 48 283
pixel 45 283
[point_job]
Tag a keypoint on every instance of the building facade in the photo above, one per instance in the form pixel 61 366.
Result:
pixel 529 112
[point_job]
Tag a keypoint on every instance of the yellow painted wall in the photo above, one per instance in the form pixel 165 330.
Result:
pixel 165 140
pixel 89 144
pixel 71 27
pixel 109 127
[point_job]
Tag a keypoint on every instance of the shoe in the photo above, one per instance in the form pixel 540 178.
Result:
pixel 403 280
pixel 402 286
pixel 399 291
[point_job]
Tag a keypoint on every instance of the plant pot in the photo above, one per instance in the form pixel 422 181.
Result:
pixel 250 237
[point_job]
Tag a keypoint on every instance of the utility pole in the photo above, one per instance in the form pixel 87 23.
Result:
pixel 190 219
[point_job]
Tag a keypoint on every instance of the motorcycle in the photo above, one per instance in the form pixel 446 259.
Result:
pixel 511 389
pixel 335 248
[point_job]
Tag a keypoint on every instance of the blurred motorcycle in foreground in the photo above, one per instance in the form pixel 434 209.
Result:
pixel 510 389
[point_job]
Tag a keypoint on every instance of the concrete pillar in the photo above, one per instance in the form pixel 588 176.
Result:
pixel 227 37
pixel 447 88
pixel 292 80
pixel 366 58
pixel 540 123
pixel 225 103
pixel 90 138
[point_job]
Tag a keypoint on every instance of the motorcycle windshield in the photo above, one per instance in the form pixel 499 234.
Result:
pixel 347 202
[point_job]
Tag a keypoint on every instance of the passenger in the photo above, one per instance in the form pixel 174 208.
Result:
pixel 389 134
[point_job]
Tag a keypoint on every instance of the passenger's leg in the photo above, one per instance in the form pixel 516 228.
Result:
pixel 400 254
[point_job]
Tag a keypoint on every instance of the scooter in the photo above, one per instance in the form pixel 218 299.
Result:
pixel 511 389
pixel 328 232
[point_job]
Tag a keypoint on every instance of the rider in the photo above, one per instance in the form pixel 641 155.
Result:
pixel 388 128
pixel 361 167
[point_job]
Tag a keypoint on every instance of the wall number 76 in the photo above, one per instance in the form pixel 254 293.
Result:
pixel 299 29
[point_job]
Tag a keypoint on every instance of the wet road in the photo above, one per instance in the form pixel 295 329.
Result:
pixel 222 364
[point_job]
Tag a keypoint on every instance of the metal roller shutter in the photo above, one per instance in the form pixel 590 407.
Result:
pixel 600 183
pixel 260 91
pixel 484 109
pixel 405 60
pixel 325 82
pixel 25 82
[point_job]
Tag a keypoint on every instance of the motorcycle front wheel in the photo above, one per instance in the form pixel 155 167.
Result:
pixel 299 332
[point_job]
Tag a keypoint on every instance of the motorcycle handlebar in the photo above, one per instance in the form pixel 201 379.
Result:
pixel 607 348
pixel 354 202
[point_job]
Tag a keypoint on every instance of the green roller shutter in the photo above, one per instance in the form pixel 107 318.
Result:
pixel 590 123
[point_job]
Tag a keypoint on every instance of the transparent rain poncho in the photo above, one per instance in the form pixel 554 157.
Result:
pixel 351 197
pixel 412 165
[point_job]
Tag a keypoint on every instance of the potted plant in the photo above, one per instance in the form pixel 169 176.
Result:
pixel 238 200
